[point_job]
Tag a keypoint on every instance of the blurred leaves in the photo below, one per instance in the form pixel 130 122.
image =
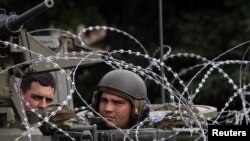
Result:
pixel 205 27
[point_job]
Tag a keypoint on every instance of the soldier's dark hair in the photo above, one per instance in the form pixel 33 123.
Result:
pixel 44 79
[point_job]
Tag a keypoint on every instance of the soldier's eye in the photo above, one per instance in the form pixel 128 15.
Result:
pixel 103 100
pixel 36 97
pixel 49 100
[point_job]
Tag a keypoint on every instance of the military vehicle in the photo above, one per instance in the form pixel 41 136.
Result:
pixel 12 118
pixel 20 47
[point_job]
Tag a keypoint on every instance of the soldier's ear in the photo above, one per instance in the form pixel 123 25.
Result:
pixel 21 92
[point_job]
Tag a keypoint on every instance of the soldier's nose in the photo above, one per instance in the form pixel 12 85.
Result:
pixel 42 104
pixel 109 107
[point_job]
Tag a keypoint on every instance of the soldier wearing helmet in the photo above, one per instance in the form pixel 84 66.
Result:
pixel 121 99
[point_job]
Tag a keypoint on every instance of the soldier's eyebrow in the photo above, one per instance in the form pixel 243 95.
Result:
pixel 118 101
pixel 37 96
pixel 113 100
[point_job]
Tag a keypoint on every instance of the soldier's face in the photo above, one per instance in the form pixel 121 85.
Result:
pixel 38 96
pixel 115 109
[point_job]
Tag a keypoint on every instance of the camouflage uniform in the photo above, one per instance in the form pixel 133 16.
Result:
pixel 63 119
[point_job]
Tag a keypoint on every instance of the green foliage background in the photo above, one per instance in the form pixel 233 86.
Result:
pixel 204 27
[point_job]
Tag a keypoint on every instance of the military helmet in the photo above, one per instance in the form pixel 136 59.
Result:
pixel 128 85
